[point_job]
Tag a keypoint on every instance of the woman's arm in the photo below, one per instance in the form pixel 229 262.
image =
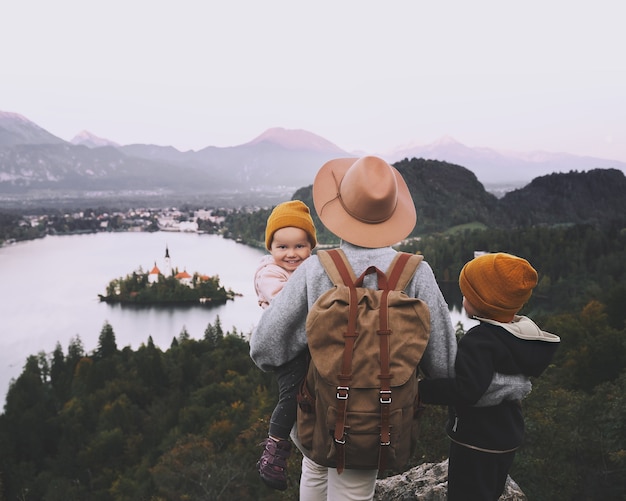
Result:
pixel 280 334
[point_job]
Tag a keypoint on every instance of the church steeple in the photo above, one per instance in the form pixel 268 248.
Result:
pixel 168 264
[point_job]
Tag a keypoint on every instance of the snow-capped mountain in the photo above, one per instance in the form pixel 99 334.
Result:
pixel 90 140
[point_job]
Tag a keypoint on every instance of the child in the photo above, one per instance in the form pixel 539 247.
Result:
pixel 484 439
pixel 290 237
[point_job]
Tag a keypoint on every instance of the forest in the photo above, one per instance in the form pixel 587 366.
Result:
pixel 185 423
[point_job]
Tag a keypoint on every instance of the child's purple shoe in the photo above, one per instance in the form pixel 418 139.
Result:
pixel 273 463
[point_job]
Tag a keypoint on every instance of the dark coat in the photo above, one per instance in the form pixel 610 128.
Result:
pixel 489 348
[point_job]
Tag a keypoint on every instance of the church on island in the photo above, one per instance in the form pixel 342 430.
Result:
pixel 182 276
pixel 167 285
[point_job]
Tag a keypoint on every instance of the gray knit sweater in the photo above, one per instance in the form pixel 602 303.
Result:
pixel 280 334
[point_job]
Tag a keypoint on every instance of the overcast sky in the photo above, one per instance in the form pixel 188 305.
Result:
pixel 366 75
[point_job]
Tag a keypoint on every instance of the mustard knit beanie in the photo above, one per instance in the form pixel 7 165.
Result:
pixel 294 213
pixel 497 285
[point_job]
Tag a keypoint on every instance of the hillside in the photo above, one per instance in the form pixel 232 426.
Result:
pixel 446 195
pixel 574 197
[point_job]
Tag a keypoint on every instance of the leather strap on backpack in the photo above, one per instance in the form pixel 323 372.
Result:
pixel 395 272
pixel 345 377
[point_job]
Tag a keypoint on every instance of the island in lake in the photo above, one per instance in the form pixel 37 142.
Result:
pixel 169 286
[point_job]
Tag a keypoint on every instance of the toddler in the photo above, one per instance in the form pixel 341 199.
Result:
pixel 289 237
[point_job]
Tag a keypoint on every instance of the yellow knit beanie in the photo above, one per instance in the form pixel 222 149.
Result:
pixel 497 285
pixel 294 213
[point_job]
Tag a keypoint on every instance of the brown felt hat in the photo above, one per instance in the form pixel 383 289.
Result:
pixel 293 213
pixel 364 201
pixel 497 285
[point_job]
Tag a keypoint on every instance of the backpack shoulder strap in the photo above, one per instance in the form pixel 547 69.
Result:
pixel 400 272
pixel 337 266
pixel 340 272
pixel 402 269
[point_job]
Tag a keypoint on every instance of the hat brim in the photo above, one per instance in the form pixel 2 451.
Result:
pixel 334 217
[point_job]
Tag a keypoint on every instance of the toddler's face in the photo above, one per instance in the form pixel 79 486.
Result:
pixel 290 247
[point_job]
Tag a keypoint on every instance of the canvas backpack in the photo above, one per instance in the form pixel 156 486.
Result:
pixel 358 403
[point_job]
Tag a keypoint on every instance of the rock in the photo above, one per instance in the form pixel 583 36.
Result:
pixel 429 482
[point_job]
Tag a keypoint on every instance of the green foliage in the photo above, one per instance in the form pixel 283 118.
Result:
pixel 575 263
pixel 446 195
pixel 576 414
pixel 186 423
pixel 574 197
pixel 247 227
pixel 142 424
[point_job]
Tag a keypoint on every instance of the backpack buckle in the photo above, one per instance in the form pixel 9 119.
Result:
pixel 342 392
pixel 385 396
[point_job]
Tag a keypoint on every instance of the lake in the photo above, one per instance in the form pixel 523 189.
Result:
pixel 49 290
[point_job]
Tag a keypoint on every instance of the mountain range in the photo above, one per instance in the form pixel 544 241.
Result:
pixel 34 163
